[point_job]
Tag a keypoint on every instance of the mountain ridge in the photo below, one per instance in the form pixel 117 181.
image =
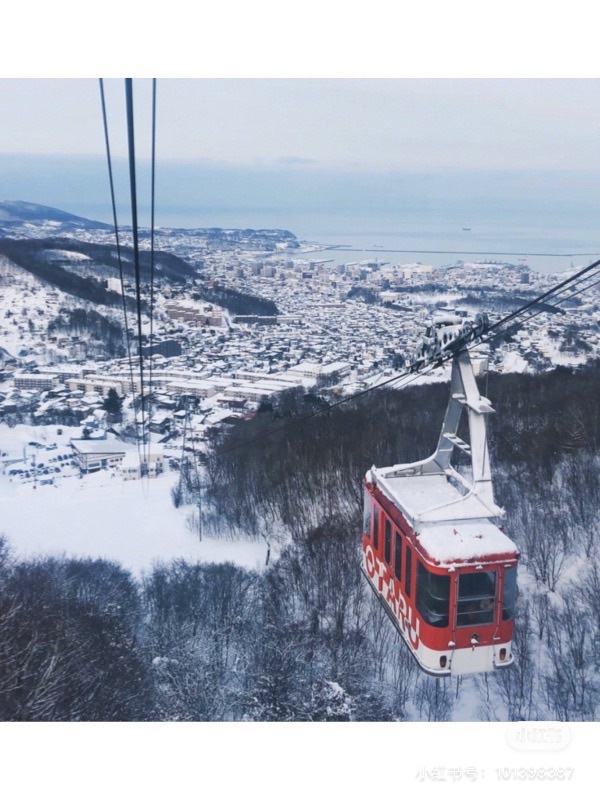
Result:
pixel 16 212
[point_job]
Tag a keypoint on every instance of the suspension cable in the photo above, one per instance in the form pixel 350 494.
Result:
pixel 118 244
pixel 152 223
pixel 513 327
pixel 136 249
pixel 550 292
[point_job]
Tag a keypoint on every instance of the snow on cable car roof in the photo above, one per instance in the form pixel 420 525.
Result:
pixel 430 498
pixel 466 541
pixel 451 527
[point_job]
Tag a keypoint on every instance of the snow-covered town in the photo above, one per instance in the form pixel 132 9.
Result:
pixel 334 327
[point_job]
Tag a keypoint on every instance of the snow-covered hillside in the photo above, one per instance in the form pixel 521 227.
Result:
pixel 99 515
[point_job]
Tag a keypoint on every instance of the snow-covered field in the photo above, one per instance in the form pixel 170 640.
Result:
pixel 99 515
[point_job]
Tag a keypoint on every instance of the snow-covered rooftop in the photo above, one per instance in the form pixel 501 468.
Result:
pixel 90 446
pixel 430 498
pixel 465 542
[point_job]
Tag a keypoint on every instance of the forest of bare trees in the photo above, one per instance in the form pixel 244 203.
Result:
pixel 304 638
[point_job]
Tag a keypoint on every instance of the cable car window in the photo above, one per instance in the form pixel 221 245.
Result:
pixel 433 596
pixel 408 575
pixel 375 526
pixel 398 556
pixel 387 542
pixel 510 593
pixel 476 596
pixel 367 514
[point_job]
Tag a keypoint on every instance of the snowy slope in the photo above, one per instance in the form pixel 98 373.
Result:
pixel 99 515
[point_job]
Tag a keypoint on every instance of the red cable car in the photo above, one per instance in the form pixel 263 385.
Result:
pixel 432 549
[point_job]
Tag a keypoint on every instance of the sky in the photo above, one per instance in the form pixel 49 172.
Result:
pixel 365 125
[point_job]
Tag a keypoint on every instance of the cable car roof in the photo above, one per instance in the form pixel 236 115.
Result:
pixel 430 498
pixel 466 542
pixel 451 527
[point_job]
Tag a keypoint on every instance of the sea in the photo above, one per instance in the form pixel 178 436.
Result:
pixel 545 251
pixel 426 240
pixel 545 218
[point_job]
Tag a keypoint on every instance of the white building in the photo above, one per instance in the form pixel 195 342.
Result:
pixel 31 380
pixel 96 454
